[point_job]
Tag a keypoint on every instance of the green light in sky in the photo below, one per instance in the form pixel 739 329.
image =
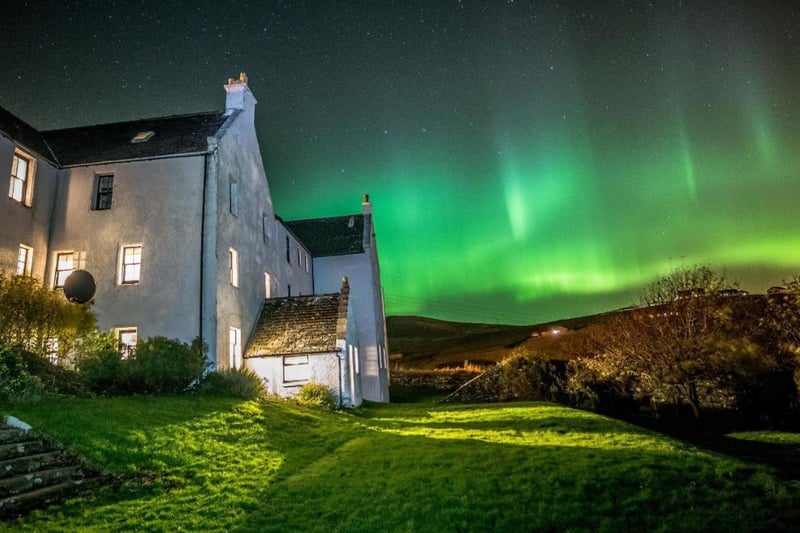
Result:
pixel 686 157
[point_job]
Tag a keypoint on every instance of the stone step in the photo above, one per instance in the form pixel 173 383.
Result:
pixel 31 463
pixel 20 449
pixel 39 478
pixel 10 435
pixel 18 504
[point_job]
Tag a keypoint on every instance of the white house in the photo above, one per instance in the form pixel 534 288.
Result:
pixel 174 219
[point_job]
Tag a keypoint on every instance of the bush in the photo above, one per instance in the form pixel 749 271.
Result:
pixel 518 378
pixel 531 378
pixel 55 379
pixel 17 384
pixel 159 365
pixel 316 395
pixel 38 318
pixel 236 382
pixel 162 365
pixel 100 365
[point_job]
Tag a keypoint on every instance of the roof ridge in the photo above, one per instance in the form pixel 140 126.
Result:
pixel 123 122
pixel 323 218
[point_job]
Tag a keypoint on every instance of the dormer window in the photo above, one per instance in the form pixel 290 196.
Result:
pixel 143 136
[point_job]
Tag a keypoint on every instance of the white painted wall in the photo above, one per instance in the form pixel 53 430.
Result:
pixel 260 245
pixel 156 203
pixel 324 368
pixel 20 224
pixel 366 301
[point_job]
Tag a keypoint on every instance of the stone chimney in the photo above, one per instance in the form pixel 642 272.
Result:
pixel 366 208
pixel 238 95
pixel 341 319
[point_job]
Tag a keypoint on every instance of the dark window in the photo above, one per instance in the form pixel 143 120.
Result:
pixel 235 199
pixel 105 189
pixel 288 255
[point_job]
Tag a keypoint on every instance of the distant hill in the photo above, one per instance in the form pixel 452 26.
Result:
pixel 420 342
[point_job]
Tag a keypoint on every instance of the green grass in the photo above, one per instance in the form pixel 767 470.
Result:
pixel 222 465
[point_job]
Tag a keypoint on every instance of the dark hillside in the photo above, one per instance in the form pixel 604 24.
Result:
pixel 419 342
pixel 427 343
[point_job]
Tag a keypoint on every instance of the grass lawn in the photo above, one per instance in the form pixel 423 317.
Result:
pixel 211 464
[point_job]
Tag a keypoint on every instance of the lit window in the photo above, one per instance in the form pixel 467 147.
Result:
pixel 51 349
pixel 235 199
pixel 306 262
pixel 296 369
pixel 64 267
pixel 130 265
pixel 24 260
pixel 233 267
pixel 19 187
pixel 235 348
pixel 127 338
pixel 105 189
pixel 267 285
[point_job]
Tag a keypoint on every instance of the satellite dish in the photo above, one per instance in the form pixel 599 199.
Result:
pixel 79 287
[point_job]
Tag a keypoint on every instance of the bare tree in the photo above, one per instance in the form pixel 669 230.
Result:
pixel 781 321
pixel 676 341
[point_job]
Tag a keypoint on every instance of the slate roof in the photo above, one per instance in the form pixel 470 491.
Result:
pixel 330 236
pixel 296 325
pixel 24 133
pixel 184 134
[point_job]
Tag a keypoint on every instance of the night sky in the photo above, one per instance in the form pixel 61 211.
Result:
pixel 526 161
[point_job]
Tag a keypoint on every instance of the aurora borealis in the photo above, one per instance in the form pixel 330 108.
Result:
pixel 527 161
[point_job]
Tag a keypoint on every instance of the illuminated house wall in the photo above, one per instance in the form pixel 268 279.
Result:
pixel 174 219
pixel 163 216
pixel 25 222
pixel 346 246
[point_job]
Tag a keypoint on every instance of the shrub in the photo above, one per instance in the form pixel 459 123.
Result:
pixel 38 318
pixel 162 365
pixel 159 365
pixel 236 382
pixel 55 379
pixel 531 378
pixel 518 378
pixel 17 384
pixel 317 395
pixel 100 364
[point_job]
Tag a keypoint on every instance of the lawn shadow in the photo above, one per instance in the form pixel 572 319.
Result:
pixel 394 482
pixel 783 459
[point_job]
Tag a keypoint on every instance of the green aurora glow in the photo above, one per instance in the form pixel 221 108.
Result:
pixel 526 161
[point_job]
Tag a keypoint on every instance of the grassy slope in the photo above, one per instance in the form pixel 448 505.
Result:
pixel 222 465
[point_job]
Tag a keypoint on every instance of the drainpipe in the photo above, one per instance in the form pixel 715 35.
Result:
pixel 203 241
pixel 339 364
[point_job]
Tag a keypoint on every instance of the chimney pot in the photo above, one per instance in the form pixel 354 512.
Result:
pixel 238 95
